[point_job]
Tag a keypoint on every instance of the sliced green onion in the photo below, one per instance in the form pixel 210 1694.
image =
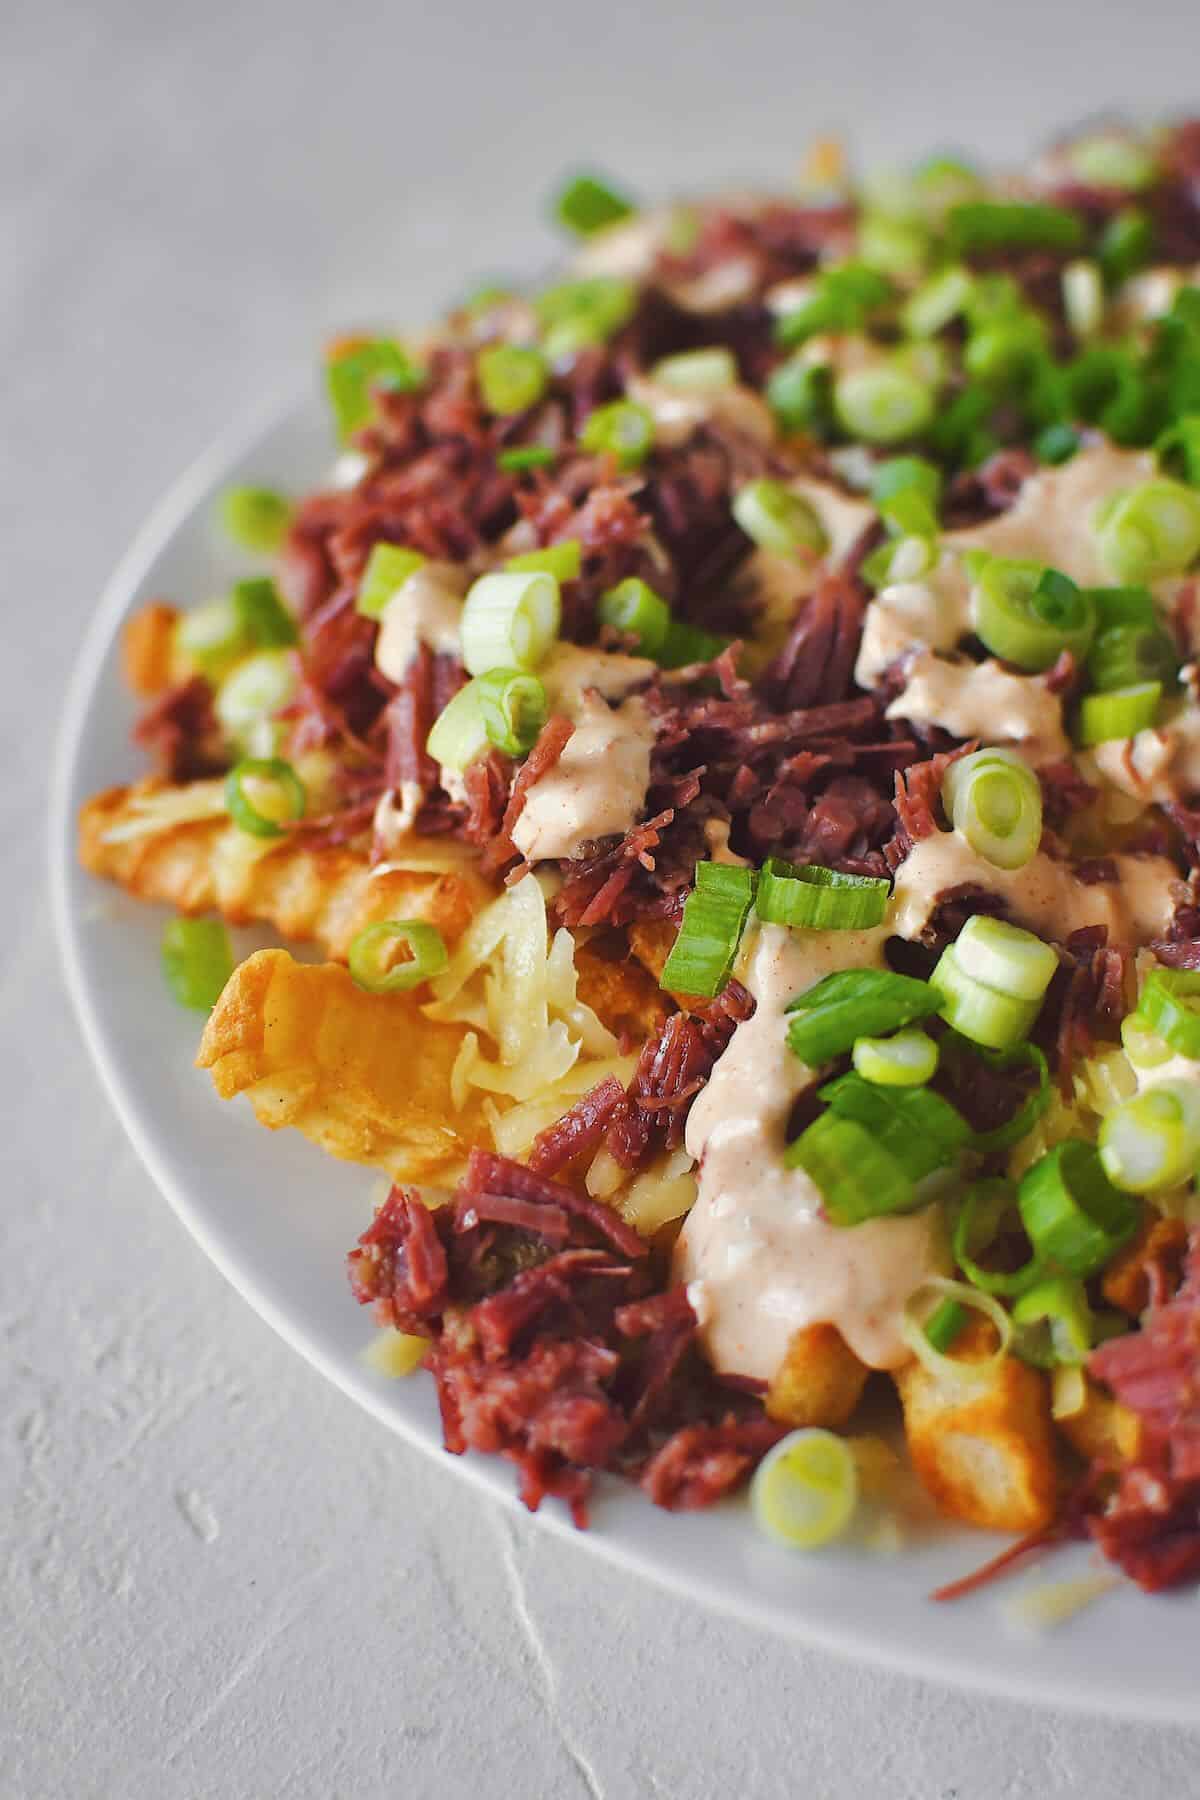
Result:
pixel 263 794
pixel 900 559
pixel 1128 655
pixel 856 1177
pixel 623 429
pixel 525 456
pixel 1124 606
pixel 775 518
pixel 828 1018
pixel 354 372
pixel 1005 957
pixel 949 1368
pixel 388 568
pixel 513 704
pixel 977 1011
pixel 714 915
pixel 841 300
pixel 820 899
pixel 942 299
pixel 1057 444
pixel 799 394
pixel 458 735
pixel 1170 1007
pixel 196 961
pixel 981 226
pixel 1178 449
pixel 805 1490
pixel 984 1207
pixel 697 371
pixel 377 965
pixel 1126 245
pixel 894 246
pixel 511 377
pixel 686 644
pixel 564 561
pixel 883 404
pixel 995 800
pixel 906 1060
pixel 1053 1323
pixel 916 1126
pixel 1149 531
pixel 586 204
pixel 257 518
pixel 906 491
pixel 945 1323
pixel 1083 297
pixel 1029 614
pixel 212 636
pixel 1111 159
pixel 509 620
pixel 1153 1140
pixel 1143 1047
pixel 266 620
pixel 1003 350
pixel 633 608
pixel 1121 713
pixel 1073 1215
pixel 257 688
pixel 587 311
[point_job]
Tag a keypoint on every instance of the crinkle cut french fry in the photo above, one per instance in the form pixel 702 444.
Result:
pixel 365 1076
pixel 326 893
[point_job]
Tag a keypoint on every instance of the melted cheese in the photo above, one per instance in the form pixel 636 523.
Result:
pixel 759 1260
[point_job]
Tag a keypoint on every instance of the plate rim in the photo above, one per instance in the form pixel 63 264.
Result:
pixel 850 1643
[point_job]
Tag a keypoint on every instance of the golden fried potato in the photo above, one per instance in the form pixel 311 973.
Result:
pixel 147 648
pixel 326 893
pixel 622 995
pixel 982 1445
pixel 1103 1428
pixel 651 943
pixel 1126 1282
pixel 820 1380
pixel 365 1076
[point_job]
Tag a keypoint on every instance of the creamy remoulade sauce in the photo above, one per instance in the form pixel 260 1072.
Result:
pixel 598 785
pixel 1050 522
pixel 983 700
pixel 425 609
pixel 1159 764
pixel 759 1261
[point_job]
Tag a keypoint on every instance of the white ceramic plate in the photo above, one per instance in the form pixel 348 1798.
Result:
pixel 277 1218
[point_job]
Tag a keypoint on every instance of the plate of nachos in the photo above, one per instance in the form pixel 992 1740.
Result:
pixel 682 781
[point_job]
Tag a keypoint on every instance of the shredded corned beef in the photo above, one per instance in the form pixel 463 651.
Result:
pixel 554 1342
pixel 179 730
pixel 1089 995
pixel 1147 1518
pixel 672 1068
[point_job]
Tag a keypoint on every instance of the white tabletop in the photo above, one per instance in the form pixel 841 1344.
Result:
pixel 220 1579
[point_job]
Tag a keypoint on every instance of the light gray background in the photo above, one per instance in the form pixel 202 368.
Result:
pixel 220 1580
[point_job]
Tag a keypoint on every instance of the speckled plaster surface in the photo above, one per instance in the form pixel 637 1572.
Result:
pixel 219 1578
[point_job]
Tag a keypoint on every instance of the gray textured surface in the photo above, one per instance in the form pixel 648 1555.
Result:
pixel 220 1580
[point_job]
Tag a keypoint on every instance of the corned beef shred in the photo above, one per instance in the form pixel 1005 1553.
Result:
pixel 1088 997
pixel 579 1131
pixel 1147 1517
pixel 554 1340
pixel 817 661
pixel 179 729
pixel 672 1068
